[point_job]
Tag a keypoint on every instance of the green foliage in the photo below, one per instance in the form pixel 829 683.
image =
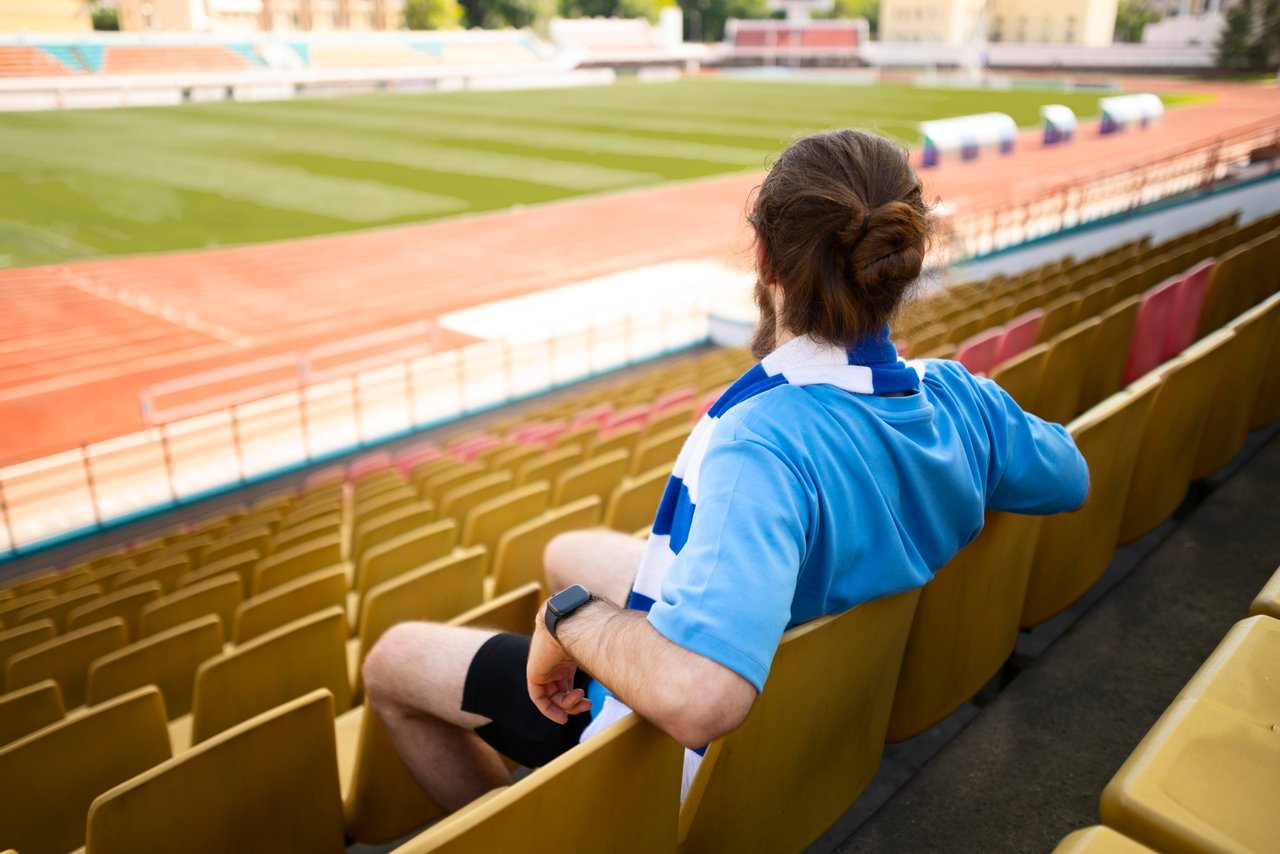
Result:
pixel 1132 17
pixel 1251 39
pixel 704 19
pixel 432 14
pixel 869 9
pixel 647 9
pixel 496 14
pixel 104 17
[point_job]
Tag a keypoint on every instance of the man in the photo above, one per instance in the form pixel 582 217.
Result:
pixel 831 473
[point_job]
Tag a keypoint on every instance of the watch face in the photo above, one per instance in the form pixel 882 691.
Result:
pixel 569 598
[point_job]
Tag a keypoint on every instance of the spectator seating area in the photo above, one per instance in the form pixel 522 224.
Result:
pixel 223 657
pixel 44 58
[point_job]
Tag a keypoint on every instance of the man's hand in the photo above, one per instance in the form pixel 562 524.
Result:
pixel 550 674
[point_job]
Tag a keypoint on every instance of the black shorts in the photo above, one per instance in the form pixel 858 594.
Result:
pixel 498 688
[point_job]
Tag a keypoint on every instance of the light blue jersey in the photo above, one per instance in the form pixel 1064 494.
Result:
pixel 813 500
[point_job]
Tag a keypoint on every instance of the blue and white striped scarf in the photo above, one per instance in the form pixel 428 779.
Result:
pixel 872 366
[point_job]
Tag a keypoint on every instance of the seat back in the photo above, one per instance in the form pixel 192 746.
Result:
pixel 294 535
pixel 11 608
pixel 125 603
pixel 597 477
pixel 167 660
pixel 660 449
pixel 1225 292
pixel 279 666
pixel 407 551
pixel 518 559
pixel 294 563
pixel 489 520
pixel 634 503
pixel 21 638
pixel 1171 440
pixel 309 594
pixel 166 574
pixel 631 762
pixel 438 592
pixel 1238 387
pixel 257 539
pixel 623 439
pixel 978 352
pixel 240 563
pixel 1150 330
pixel 1186 308
pixel 1104 369
pixel 1063 374
pixel 267 785
pixel 810 758
pixel 1059 316
pixel 219 595
pixel 66 659
pixel 49 778
pixel 1019 334
pixel 1020 376
pixel 1074 549
pixel 26 710
pixel 965 625
pixel 60 606
pixel 376 530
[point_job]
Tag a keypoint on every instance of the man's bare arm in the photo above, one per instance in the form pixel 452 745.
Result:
pixel 693 699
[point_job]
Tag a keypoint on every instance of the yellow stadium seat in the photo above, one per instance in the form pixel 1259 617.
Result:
pixel 808 761
pixel 1267 602
pixel 381 799
pixel 45 580
pixel 549 466
pixel 292 564
pixel 66 659
pixel 241 564
pixel 1074 549
pixel 315 592
pixel 1061 379
pixel 1104 369
pixel 489 520
pixel 166 570
pixel 577 436
pixel 659 449
pixel 59 607
pixel 1173 432
pixel 1204 778
pixel 167 660
pixel 49 778
pixel 459 501
pixel 966 624
pixel 437 592
pixel 125 603
pixel 267 785
pixel 1099 839
pixel 26 710
pixel 292 536
pixel 405 552
pixel 632 763
pixel 10 608
pixel 518 559
pixel 511 459
pixel 1225 295
pixel 21 638
pixel 279 666
pixel 219 595
pixel 421 474
pixel 634 503
pixel 433 489
pixel 1020 376
pixel 375 530
pixel 1240 674
pixel 597 477
pixel 75 577
pixel 619 440
pixel 1229 414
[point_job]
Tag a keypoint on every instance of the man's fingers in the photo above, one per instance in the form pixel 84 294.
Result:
pixel 547 705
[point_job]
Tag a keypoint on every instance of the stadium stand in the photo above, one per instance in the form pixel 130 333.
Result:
pixel 455 529
pixel 16 61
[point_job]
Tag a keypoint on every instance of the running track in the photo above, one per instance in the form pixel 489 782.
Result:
pixel 78 342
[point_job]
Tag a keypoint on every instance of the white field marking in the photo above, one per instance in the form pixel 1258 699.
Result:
pixel 144 304
pixel 595 302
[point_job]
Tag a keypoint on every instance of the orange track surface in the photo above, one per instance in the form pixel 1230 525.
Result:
pixel 79 342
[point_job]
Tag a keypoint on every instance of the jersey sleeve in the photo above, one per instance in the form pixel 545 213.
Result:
pixel 728 594
pixel 1035 465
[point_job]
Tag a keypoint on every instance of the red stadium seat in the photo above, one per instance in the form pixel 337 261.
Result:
pixel 1150 330
pixel 1186 309
pixel 978 352
pixel 1019 334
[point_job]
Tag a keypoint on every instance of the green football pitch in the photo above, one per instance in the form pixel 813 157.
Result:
pixel 77 184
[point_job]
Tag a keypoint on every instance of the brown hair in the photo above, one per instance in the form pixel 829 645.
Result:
pixel 841 227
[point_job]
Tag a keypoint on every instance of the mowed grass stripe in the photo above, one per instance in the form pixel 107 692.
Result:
pixel 233 177
pixel 321 137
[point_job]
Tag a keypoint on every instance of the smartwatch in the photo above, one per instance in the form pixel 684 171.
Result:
pixel 565 603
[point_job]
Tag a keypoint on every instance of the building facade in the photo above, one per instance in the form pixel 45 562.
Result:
pixel 966 22
pixel 44 16
pixel 223 16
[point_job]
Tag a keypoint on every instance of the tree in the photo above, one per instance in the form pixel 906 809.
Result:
pixel 704 19
pixel 869 9
pixel 647 9
pixel 432 14
pixel 1132 17
pixel 104 16
pixel 1251 39
pixel 495 14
